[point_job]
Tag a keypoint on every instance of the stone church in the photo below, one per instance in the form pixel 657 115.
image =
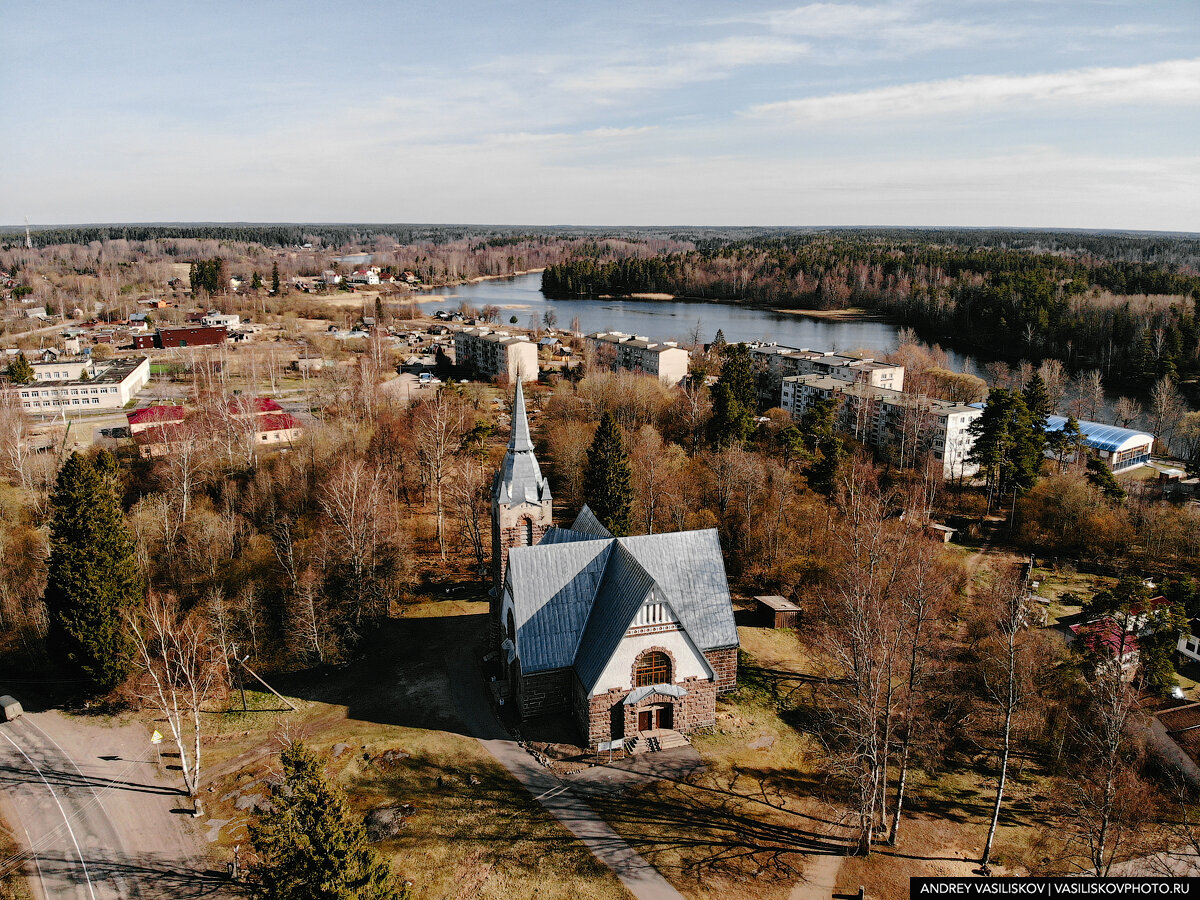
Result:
pixel 629 636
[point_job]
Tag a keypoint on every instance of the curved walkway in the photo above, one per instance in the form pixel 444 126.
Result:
pixel 641 878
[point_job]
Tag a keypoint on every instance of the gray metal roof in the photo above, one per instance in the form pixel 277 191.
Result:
pixel 667 690
pixel 625 587
pixel 575 596
pixel 688 567
pixel 552 587
pixel 587 523
pixel 520 479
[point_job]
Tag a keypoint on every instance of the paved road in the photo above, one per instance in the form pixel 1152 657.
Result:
pixel 641 878
pixel 94 819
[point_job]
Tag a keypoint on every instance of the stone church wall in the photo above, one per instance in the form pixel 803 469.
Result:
pixel 546 692
pixel 724 665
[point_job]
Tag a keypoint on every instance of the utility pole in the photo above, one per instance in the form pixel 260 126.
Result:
pixel 240 684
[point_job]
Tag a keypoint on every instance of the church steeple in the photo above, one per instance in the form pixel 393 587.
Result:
pixel 522 508
pixel 520 477
pixel 519 439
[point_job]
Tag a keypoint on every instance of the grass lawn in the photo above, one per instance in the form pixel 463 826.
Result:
pixel 1055 583
pixel 13 885
pixel 387 728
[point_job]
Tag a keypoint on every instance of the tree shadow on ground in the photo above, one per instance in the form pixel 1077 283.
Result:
pixel 400 676
pixel 155 879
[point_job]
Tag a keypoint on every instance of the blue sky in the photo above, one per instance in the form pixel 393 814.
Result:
pixel 906 112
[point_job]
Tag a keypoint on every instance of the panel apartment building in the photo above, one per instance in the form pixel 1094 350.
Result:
pixel 905 426
pixel 496 354
pixel 784 362
pixel 617 351
pixel 63 387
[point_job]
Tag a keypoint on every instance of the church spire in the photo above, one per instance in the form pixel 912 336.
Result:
pixel 519 441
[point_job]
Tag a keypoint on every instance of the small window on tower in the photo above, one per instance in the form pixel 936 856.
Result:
pixel 527 532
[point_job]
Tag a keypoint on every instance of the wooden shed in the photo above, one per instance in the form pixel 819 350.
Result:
pixel 776 612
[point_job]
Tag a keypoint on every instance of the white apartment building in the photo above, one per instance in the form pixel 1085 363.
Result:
pixel 217 320
pixel 905 426
pixel 496 354
pixel 618 351
pixel 109 386
pixel 784 362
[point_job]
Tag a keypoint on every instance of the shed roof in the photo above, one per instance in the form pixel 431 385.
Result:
pixel 779 604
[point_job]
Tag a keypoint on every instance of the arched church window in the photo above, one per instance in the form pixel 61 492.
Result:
pixel 527 532
pixel 653 668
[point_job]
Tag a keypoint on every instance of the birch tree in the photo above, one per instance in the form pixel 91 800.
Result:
pixel 184 670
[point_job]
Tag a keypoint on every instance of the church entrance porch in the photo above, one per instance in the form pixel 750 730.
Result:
pixel 654 740
pixel 654 718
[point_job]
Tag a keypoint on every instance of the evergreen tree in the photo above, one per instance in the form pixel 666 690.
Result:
pixel 92 576
pixel 1100 475
pixel 719 343
pixel 825 449
pixel 20 371
pixel 1066 442
pixel 310 844
pixel 256 282
pixel 275 278
pixel 1037 400
pixel 608 478
pixel 733 398
pixel 1007 447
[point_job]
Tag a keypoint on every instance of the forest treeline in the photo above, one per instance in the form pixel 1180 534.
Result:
pixel 1126 306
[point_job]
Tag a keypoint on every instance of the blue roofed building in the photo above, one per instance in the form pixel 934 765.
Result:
pixel 1120 448
pixel 631 637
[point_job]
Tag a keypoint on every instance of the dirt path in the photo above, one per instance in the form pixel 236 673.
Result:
pixel 97 820
pixel 641 878
pixel 819 880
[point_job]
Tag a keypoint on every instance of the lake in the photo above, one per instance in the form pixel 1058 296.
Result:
pixel 667 320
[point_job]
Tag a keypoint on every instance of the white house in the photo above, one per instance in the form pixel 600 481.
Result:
pixel 216 320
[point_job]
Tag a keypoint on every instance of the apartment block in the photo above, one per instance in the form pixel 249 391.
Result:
pixel 904 426
pixel 496 354
pixel 106 386
pixel 629 352
pixel 780 362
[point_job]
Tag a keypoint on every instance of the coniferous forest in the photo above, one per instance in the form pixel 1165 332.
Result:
pixel 1123 304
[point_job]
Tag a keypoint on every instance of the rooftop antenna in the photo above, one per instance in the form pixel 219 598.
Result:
pixel 28 239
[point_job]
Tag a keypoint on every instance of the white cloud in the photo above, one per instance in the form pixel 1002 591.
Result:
pixel 1176 82
pixel 674 66
pixel 893 28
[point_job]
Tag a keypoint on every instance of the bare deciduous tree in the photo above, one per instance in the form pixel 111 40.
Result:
pixel 184 670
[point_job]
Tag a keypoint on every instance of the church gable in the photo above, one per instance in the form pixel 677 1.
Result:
pixel 677 660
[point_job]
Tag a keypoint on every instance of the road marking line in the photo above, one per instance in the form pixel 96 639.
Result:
pixel 67 756
pixel 67 821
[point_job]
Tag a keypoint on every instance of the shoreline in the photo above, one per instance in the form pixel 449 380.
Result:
pixel 475 280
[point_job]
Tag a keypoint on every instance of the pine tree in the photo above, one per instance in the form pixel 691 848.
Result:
pixel 1007 447
pixel 310 844
pixel 20 371
pixel 92 580
pixel 1100 476
pixel 608 478
pixel 275 278
pixel 256 282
